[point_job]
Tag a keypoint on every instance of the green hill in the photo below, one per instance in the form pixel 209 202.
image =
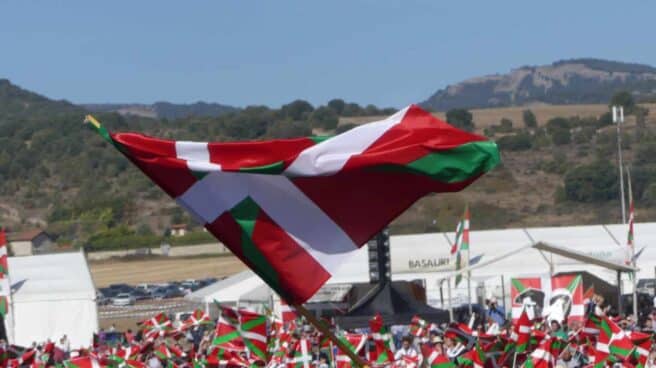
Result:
pixel 57 174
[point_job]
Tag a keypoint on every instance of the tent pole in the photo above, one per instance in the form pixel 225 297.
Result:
pixel 503 294
pixel 326 331
pixel 469 301
pixel 448 290
pixel 441 294
pixel 619 293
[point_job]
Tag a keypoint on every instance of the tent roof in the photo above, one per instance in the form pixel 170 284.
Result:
pixel 242 286
pixel 51 277
pixel 394 301
pixel 582 257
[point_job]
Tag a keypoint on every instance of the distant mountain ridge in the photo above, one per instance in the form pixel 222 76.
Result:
pixel 573 81
pixel 164 110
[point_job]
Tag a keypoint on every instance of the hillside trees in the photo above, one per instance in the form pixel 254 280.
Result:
pixel 461 118
pixel 590 183
pixel 530 121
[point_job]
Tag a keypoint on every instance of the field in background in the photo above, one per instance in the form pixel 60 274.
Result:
pixel 160 269
pixel 486 117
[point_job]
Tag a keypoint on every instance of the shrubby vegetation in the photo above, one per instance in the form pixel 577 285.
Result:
pixel 48 159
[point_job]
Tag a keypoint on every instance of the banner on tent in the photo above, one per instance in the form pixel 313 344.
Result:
pixel 555 298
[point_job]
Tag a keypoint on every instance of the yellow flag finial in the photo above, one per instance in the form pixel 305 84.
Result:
pixel 90 119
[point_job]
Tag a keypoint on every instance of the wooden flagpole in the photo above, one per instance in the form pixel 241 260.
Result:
pixel 326 331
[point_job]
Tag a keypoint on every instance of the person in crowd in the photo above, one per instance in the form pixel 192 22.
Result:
pixel 129 337
pixel 569 358
pixel 651 360
pixel 454 348
pixel 494 312
pixel 438 344
pixel 407 350
pixel 154 362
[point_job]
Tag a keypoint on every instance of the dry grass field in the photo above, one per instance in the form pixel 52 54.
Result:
pixel 486 117
pixel 154 270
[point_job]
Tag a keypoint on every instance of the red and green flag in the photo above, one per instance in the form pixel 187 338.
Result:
pixel 418 327
pixel 157 326
pixel 293 210
pixel 165 351
pixel 434 359
pixel 546 354
pixel 82 362
pixel 355 343
pixel 301 355
pixel 227 336
pixel 521 333
pixel 197 318
pixel 473 358
pixel 253 330
pixel 225 358
pixel 383 342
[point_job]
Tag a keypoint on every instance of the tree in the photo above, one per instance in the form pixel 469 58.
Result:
pixel 460 118
pixel 515 142
pixel 337 104
pixel 596 182
pixel 561 136
pixel 506 125
pixel 289 129
pixel 530 121
pixel 557 124
pixel 641 119
pixel 297 110
pixel 352 109
pixel 624 99
pixel 325 118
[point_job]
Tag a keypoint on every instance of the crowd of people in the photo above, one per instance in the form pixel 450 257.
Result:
pixel 243 338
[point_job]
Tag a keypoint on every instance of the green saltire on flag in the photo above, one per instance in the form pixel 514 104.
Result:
pixel 574 284
pixel 253 348
pixel 383 357
pixel 518 285
pixel 465 361
pixel 199 363
pixel 245 214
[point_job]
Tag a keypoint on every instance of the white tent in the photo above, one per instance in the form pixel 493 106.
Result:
pixel 242 288
pixel 53 295
pixel 427 257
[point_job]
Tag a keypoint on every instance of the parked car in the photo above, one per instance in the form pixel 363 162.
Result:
pixel 158 293
pixel 108 292
pixel 140 294
pixel 123 299
pixel 101 299
pixel 173 292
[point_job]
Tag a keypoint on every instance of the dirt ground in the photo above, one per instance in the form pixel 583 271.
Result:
pixel 135 271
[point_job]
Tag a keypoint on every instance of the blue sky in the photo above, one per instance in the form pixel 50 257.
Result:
pixel 389 53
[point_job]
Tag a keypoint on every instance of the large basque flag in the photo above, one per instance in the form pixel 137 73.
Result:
pixel 292 210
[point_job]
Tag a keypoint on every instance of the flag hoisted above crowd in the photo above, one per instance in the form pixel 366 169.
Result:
pixel 293 209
